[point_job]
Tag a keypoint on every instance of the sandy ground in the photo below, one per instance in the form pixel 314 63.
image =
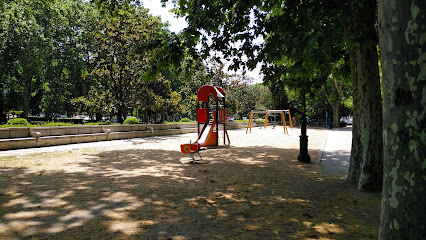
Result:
pixel 146 189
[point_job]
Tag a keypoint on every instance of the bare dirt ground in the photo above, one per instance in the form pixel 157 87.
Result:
pixel 147 189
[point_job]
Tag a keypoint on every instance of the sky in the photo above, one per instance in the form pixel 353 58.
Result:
pixel 154 6
pixel 178 24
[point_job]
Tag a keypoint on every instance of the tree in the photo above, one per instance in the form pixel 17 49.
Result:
pixel 307 35
pixel 118 65
pixel 365 170
pixel 45 47
pixel 240 95
pixel 69 29
pixel 158 100
pixel 264 100
pixel 337 89
pixel 402 42
pixel 318 33
pixel 189 77
pixel 23 44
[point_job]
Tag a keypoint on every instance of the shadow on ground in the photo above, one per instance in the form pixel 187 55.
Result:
pixel 336 162
pixel 234 193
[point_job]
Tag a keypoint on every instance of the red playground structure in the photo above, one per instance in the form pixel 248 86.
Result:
pixel 209 117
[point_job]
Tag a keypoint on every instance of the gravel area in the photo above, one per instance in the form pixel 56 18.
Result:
pixel 147 189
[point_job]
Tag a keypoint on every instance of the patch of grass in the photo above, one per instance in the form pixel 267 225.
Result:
pixel 102 123
pixel 5 160
pixel 63 124
pixel 56 124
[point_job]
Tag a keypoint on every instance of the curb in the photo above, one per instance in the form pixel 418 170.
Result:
pixel 321 153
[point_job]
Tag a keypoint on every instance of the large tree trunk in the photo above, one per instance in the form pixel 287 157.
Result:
pixel 120 113
pixel 336 117
pixel 98 116
pixel 366 168
pixel 402 40
pixel 27 90
pixel 3 118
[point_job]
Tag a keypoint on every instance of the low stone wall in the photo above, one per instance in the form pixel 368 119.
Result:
pixel 15 138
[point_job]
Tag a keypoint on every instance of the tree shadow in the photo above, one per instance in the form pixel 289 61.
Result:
pixel 336 162
pixel 236 192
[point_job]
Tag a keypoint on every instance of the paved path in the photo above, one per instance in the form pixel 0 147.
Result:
pixel 335 157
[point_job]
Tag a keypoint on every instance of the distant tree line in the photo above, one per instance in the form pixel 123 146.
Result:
pixel 105 60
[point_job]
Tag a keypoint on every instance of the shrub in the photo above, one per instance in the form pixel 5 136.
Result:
pixel 57 124
pixel 107 122
pixel 18 122
pixel 185 120
pixel 71 120
pixel 131 121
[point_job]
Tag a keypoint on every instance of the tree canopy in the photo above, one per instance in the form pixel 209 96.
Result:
pixel 97 58
pixel 302 42
pixel 45 48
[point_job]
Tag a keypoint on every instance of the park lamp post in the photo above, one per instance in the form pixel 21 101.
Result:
pixel 304 156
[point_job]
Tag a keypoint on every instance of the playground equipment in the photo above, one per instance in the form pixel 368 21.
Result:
pixel 267 112
pixel 209 120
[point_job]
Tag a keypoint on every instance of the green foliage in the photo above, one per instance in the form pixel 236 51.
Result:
pixel 303 42
pixel 185 120
pixel 16 112
pixel 18 122
pixel 100 123
pixel 349 104
pixel 119 62
pixel 56 124
pixel 44 49
pixel 66 57
pixel 21 47
pixel 131 121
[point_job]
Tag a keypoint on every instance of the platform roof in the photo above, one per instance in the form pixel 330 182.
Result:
pixel 205 91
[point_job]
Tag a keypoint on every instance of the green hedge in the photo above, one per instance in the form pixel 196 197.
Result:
pixel 71 120
pixel 131 121
pixel 185 120
pixel 18 122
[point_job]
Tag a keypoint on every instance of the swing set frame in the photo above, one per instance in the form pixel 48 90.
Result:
pixel 267 112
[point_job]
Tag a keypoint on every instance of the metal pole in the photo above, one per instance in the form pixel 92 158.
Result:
pixel 304 156
pixel 224 123
pixel 198 123
pixel 217 121
pixel 326 119
pixel 266 120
